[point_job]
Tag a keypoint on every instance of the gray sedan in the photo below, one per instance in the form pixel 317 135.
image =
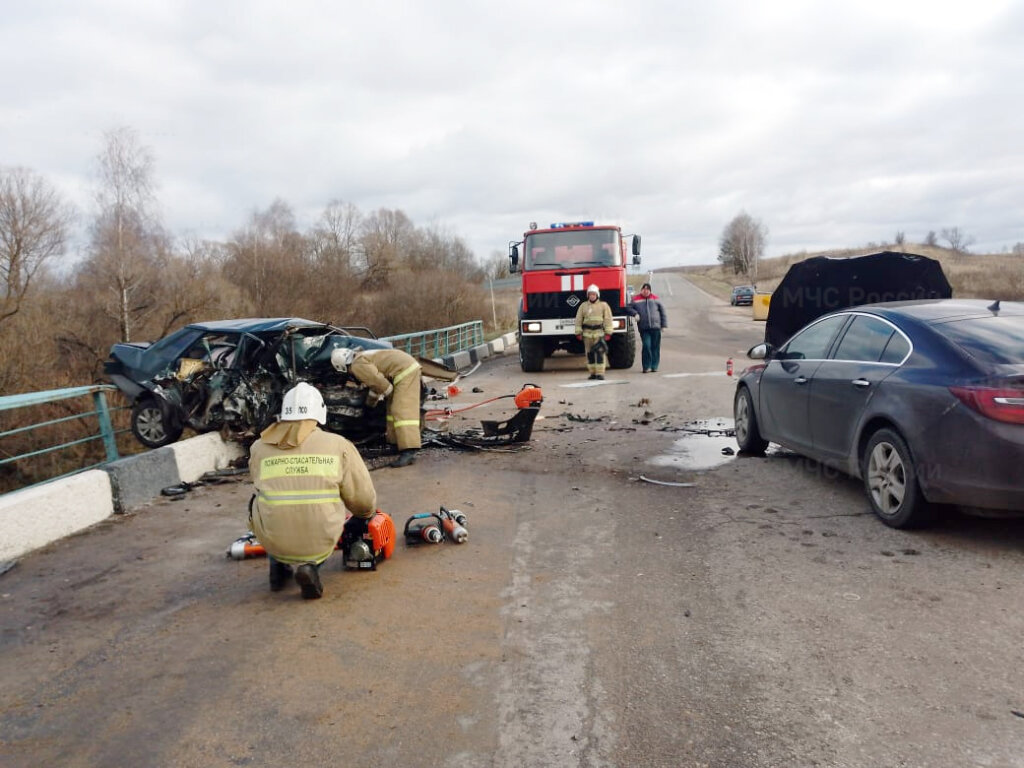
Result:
pixel 923 400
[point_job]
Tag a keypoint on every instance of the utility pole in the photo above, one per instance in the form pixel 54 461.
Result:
pixel 494 312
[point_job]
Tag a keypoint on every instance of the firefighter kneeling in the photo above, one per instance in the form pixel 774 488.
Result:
pixel 594 326
pixel 305 479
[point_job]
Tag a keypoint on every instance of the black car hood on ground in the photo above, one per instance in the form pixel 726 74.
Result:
pixel 823 284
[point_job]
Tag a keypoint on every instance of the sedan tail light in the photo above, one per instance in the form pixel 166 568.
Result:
pixel 999 403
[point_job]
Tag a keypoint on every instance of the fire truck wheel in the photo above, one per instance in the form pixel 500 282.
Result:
pixel 531 355
pixel 622 349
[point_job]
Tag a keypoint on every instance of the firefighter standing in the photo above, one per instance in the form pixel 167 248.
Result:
pixel 594 326
pixel 394 376
pixel 305 479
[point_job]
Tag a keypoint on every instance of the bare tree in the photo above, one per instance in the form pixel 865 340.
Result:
pixel 434 248
pixel 385 238
pixel 496 267
pixel 334 241
pixel 267 259
pixel 931 239
pixel 900 238
pixel 125 232
pixel 1018 249
pixel 192 285
pixel 958 240
pixel 742 244
pixel 429 300
pixel 34 223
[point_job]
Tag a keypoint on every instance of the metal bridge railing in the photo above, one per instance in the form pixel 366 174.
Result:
pixel 104 428
pixel 440 341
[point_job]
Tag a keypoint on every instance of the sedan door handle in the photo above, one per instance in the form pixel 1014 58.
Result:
pixel 800 380
pixel 861 383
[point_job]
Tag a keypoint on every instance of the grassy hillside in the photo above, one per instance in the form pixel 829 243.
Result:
pixel 983 276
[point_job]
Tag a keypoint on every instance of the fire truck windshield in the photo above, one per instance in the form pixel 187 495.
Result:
pixel 569 249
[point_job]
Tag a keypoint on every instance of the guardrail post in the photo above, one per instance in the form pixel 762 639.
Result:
pixel 106 426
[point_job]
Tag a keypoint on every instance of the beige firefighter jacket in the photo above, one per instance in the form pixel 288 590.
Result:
pixel 594 319
pixel 302 494
pixel 380 368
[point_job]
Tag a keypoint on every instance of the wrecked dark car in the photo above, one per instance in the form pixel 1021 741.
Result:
pixel 231 375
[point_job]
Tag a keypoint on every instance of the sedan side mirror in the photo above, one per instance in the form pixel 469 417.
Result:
pixel 760 351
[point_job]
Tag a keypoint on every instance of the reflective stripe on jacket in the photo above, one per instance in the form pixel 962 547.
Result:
pixel 302 494
pixel 376 368
pixel 594 319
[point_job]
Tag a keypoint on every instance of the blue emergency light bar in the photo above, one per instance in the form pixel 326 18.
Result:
pixel 572 224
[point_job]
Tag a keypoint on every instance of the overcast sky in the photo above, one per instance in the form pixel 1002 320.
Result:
pixel 834 123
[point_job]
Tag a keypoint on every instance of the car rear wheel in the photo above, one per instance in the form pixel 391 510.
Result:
pixel 748 436
pixel 890 481
pixel 149 425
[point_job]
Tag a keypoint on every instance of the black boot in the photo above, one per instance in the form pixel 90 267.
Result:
pixel 279 575
pixel 405 458
pixel 307 576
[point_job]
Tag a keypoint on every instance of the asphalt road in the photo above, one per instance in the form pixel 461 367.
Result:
pixel 758 617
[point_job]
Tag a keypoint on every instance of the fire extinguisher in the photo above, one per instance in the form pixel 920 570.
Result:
pixel 728 367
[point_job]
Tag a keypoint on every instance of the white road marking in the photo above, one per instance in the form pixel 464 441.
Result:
pixel 680 375
pixel 581 384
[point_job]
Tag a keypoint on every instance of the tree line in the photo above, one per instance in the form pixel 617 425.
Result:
pixel 137 282
pixel 742 243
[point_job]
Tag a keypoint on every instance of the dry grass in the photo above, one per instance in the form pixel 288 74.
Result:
pixel 979 276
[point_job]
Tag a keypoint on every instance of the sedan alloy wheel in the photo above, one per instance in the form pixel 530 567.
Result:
pixel 748 435
pixel 887 478
pixel 149 427
pixel 890 480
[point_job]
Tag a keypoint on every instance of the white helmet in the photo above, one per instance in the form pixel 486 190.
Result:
pixel 594 289
pixel 303 401
pixel 342 357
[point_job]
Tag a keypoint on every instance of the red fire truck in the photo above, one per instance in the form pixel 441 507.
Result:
pixel 558 263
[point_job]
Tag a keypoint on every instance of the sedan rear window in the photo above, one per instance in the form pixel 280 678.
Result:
pixel 998 340
pixel 897 349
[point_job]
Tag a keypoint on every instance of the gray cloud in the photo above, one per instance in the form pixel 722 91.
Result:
pixel 836 125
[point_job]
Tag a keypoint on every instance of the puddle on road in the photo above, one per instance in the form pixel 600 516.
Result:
pixel 702 448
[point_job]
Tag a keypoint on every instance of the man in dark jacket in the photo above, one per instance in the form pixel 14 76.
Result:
pixel 651 319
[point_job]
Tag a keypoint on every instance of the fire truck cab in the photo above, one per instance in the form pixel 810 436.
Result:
pixel 558 263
